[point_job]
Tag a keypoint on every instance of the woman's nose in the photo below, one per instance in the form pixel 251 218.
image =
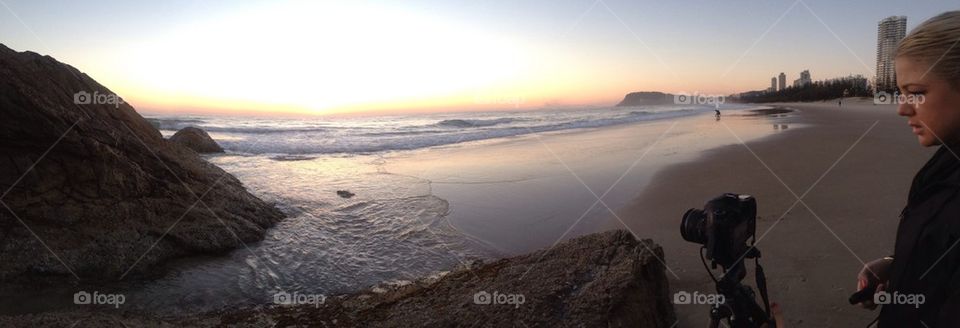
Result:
pixel 905 109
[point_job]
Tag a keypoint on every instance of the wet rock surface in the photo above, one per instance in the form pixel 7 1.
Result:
pixel 197 140
pixel 92 191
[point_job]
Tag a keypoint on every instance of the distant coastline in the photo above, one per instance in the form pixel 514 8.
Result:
pixel 646 98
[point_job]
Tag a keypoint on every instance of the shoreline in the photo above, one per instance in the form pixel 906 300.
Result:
pixel 529 198
pixel 539 164
pixel 813 253
pixel 521 194
pixel 528 177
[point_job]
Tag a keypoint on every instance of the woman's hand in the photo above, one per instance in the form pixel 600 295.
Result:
pixel 874 274
pixel 777 316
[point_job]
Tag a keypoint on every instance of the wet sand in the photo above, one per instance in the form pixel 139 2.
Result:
pixel 852 195
pixel 525 193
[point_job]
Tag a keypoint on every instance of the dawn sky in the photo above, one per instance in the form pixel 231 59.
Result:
pixel 351 56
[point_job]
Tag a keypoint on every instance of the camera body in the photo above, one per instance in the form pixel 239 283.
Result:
pixel 724 226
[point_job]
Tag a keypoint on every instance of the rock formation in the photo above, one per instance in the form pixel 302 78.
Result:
pixel 606 279
pixel 91 190
pixel 643 98
pixel 197 140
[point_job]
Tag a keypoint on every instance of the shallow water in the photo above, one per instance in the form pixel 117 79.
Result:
pixel 392 230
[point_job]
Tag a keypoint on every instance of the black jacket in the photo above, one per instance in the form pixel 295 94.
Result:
pixel 926 260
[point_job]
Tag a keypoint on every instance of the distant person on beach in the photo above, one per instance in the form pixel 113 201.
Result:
pixel 718 113
pixel 919 286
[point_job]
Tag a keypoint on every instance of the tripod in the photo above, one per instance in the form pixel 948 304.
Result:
pixel 740 308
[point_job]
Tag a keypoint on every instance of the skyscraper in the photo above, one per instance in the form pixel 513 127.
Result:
pixel 890 31
pixel 803 80
pixel 783 81
pixel 773 84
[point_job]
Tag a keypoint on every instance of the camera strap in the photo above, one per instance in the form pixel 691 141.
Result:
pixel 762 285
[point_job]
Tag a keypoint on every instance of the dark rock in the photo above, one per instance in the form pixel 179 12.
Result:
pixel 345 194
pixel 95 190
pixel 646 98
pixel 196 139
pixel 607 279
pixel 83 319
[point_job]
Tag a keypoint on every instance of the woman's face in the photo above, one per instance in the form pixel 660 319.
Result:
pixel 930 103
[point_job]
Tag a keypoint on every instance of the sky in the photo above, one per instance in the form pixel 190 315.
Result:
pixel 356 56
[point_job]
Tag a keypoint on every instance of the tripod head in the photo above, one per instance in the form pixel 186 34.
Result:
pixel 741 309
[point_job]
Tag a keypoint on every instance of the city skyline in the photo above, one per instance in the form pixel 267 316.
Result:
pixel 442 56
pixel 890 31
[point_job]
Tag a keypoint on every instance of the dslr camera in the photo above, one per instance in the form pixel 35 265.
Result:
pixel 724 226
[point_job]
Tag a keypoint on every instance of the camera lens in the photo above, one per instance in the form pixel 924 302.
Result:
pixel 692 226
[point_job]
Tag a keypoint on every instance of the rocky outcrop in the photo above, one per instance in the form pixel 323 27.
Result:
pixel 92 190
pixel 606 279
pixel 197 140
pixel 646 98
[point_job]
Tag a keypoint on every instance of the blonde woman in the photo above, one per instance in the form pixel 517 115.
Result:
pixel 919 285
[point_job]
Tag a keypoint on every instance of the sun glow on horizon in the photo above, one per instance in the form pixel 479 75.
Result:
pixel 342 57
pixel 333 58
pixel 321 58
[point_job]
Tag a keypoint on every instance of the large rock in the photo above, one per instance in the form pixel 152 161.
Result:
pixel 92 189
pixel 606 279
pixel 196 139
pixel 646 98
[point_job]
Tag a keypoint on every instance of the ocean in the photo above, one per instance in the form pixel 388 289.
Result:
pixel 364 135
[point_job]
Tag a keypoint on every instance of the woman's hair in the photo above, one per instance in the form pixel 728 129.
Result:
pixel 936 42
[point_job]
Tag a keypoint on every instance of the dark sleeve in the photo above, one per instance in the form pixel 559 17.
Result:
pixel 950 311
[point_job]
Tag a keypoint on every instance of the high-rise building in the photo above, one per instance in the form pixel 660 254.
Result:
pixel 773 84
pixel 783 81
pixel 890 31
pixel 803 80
